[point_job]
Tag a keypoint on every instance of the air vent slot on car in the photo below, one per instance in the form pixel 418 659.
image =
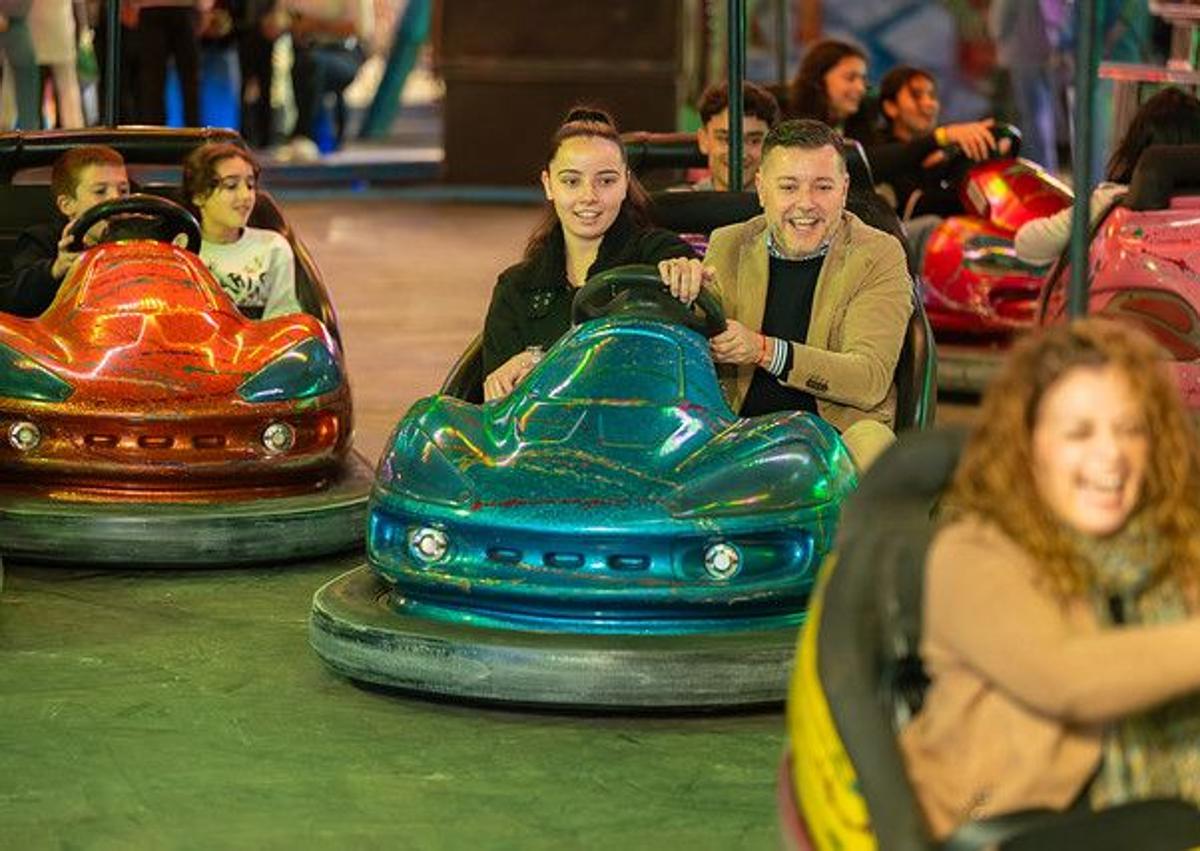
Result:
pixel 569 561
pixel 156 441
pixel 102 441
pixel 209 441
pixel 505 555
pixel 627 562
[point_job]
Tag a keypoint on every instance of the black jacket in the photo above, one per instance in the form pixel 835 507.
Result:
pixel 32 288
pixel 531 305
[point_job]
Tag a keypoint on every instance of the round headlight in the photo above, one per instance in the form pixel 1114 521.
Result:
pixel 24 436
pixel 722 561
pixel 428 545
pixel 278 437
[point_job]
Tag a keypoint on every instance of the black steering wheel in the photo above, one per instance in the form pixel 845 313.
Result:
pixel 638 291
pixel 138 216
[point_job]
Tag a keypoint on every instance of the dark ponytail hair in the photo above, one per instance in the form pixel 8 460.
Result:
pixel 588 121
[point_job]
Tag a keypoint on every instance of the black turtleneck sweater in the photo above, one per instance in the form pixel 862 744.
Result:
pixel 531 305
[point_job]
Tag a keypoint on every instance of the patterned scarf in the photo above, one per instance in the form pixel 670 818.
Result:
pixel 1155 753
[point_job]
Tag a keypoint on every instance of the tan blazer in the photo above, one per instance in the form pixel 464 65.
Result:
pixel 860 314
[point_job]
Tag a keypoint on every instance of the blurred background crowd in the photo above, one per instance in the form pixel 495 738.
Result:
pixel 296 76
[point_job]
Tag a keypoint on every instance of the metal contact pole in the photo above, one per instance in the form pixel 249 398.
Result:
pixel 1086 63
pixel 782 38
pixel 737 73
pixel 112 62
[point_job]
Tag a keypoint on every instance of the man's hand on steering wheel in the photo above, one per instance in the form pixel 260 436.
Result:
pixel 684 276
pixel 737 344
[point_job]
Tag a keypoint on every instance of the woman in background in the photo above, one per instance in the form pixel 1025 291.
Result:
pixel 1171 117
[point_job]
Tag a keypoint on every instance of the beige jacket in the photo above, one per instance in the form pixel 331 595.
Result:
pixel 860 314
pixel 976 749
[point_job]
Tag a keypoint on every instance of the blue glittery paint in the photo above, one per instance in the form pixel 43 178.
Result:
pixel 584 502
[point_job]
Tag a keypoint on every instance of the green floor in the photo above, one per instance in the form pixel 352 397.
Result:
pixel 185 710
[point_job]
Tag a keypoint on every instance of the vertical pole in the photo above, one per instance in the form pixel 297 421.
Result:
pixel 1086 63
pixel 412 30
pixel 737 73
pixel 782 40
pixel 112 63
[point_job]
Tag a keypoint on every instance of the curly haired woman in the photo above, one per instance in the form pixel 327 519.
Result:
pixel 1060 623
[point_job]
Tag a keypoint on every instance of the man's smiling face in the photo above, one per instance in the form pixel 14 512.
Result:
pixel 803 193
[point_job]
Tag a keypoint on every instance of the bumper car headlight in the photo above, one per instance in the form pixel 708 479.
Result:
pixel 427 545
pixel 22 378
pixel 278 437
pixel 24 436
pixel 305 370
pixel 722 561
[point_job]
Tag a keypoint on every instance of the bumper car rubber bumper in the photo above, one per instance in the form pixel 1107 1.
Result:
pixel 357 631
pixel 967 369
pixel 154 534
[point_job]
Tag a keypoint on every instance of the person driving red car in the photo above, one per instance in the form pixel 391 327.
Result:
pixel 80 179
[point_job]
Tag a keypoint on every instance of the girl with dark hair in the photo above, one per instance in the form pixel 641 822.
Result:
pixel 831 86
pixel 254 266
pixel 595 220
pixel 1171 117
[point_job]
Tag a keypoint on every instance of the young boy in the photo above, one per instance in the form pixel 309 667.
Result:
pixel 80 179
pixel 760 113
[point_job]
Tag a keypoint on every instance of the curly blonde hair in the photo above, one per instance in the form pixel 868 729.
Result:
pixel 994 478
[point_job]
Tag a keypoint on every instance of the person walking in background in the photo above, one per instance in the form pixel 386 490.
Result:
pixel 129 70
pixel 329 39
pixel 168 29
pixel 20 64
pixel 52 24
pixel 1023 48
pixel 255 45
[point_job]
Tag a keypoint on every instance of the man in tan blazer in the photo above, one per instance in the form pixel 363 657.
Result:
pixel 818 302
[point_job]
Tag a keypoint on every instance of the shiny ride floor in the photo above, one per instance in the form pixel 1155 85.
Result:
pixel 169 709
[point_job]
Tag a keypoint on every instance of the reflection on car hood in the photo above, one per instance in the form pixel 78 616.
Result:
pixel 611 455
pixel 137 323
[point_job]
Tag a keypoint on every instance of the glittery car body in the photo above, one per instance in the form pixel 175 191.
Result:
pixel 143 377
pixel 973 284
pixel 613 491
pixel 1144 268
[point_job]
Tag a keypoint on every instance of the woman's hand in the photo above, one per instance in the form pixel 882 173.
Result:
pixel 975 138
pixel 508 375
pixel 684 276
pixel 737 344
